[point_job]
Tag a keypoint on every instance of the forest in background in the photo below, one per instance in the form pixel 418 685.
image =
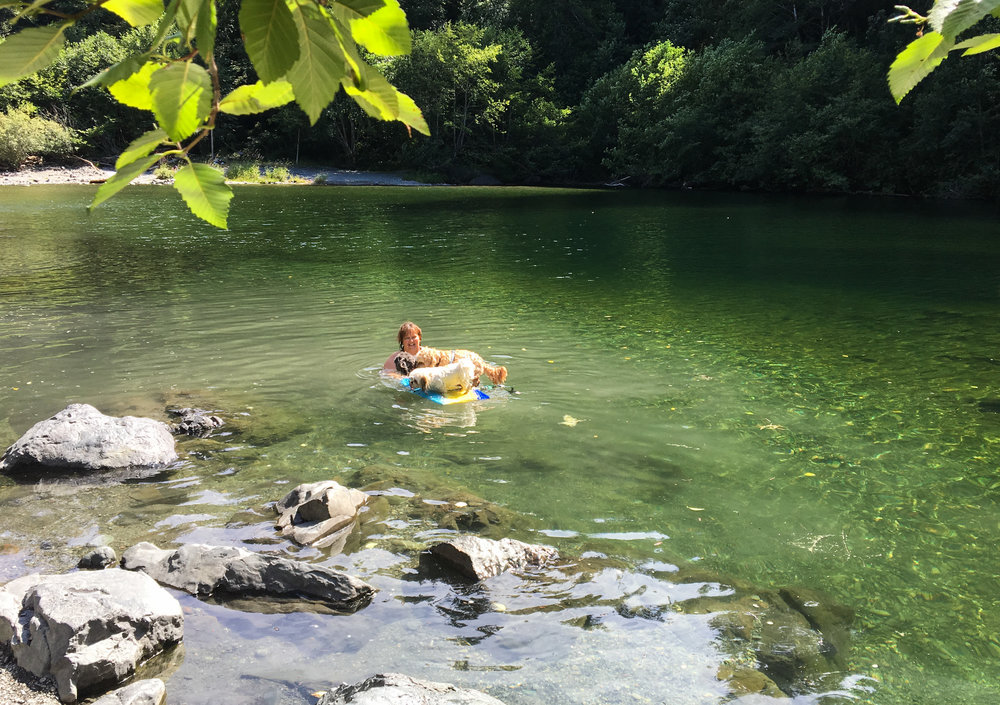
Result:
pixel 769 95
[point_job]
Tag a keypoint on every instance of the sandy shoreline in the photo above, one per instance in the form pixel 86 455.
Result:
pixel 89 175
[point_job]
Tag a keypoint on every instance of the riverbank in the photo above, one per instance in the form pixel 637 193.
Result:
pixel 88 174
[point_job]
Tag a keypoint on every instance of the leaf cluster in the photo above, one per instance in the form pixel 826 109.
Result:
pixel 304 51
pixel 947 20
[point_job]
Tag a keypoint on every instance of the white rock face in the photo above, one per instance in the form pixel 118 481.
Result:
pixel 88 630
pixel 314 514
pixel 82 438
pixel 480 558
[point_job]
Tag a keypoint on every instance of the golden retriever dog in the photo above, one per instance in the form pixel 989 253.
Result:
pixel 432 357
pixel 457 377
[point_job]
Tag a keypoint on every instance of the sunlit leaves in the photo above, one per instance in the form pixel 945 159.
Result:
pixel 952 17
pixel 134 90
pixel 247 100
pixel 301 50
pixel 141 147
pixel 977 45
pixel 30 49
pixel 381 100
pixel 316 76
pixel 182 98
pixel 411 115
pixel 948 19
pixel 380 27
pixel 136 12
pixel 205 191
pixel 270 37
pixel 917 61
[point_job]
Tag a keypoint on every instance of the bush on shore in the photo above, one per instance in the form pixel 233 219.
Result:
pixel 24 135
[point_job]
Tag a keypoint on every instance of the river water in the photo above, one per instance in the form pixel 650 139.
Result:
pixel 786 392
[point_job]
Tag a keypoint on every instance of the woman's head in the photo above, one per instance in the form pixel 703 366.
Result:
pixel 409 332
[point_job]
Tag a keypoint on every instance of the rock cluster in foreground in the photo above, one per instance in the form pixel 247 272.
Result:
pixel 88 631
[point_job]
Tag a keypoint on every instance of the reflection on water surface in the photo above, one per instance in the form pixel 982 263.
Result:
pixel 776 392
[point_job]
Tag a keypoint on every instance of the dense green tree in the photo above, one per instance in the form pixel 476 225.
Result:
pixel 823 124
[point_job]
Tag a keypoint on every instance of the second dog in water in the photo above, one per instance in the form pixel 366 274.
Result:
pixel 432 357
pixel 456 378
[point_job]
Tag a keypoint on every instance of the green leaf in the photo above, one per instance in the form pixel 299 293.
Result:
pixel 121 71
pixel 205 191
pixel 136 12
pixel 316 76
pixel 141 147
pixel 197 20
pixel 247 100
pixel 182 98
pixel 122 178
pixel 29 50
pixel 362 8
pixel 952 17
pixel 132 64
pixel 916 62
pixel 382 30
pixel 208 22
pixel 379 99
pixel 270 37
pixel 410 115
pixel 134 90
pixel 977 45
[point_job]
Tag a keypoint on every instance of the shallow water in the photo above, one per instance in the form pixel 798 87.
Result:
pixel 782 391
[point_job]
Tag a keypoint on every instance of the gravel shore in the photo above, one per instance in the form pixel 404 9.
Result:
pixel 18 687
pixel 91 174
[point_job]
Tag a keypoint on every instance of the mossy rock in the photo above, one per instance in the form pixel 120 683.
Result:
pixel 743 680
pixel 440 503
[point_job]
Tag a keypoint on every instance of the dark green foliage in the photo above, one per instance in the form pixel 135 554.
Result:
pixel 777 95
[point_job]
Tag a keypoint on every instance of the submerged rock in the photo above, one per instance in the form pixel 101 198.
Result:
pixel 395 689
pixel 195 422
pixel 791 637
pixel 225 571
pixel 316 514
pixel 151 691
pixel 101 557
pixel 480 558
pixel 87 630
pixel 82 438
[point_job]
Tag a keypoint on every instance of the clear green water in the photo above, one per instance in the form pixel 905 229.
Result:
pixel 782 391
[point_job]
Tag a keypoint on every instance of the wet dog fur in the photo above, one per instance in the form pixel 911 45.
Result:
pixel 433 357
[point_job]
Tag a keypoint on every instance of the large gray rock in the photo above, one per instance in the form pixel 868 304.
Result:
pixel 316 514
pixel 236 572
pixel 151 691
pixel 82 438
pixel 87 630
pixel 397 689
pixel 481 558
